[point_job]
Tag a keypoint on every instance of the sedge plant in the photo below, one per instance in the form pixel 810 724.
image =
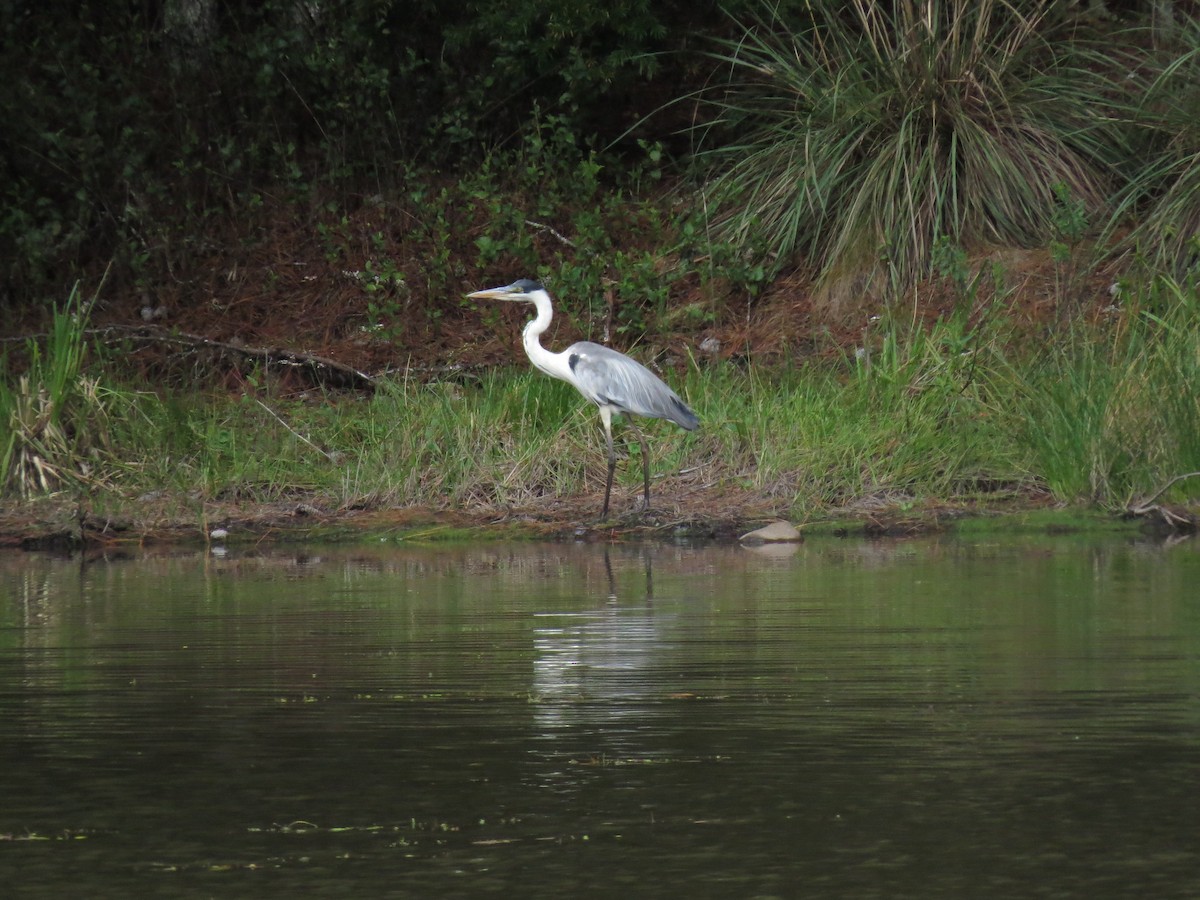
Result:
pixel 54 417
pixel 854 135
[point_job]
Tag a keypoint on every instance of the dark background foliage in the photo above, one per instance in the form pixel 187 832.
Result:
pixel 128 128
pixel 123 118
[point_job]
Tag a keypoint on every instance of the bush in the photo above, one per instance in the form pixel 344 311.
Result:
pixel 853 136
pixel 129 129
pixel 1163 197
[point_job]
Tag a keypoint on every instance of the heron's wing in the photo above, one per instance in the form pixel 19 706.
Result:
pixel 609 378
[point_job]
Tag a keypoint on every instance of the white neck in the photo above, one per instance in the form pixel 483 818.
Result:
pixel 551 363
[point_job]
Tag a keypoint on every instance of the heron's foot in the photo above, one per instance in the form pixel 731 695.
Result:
pixel 640 512
pixel 637 514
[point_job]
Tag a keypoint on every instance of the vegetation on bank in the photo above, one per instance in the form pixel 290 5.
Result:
pixel 955 412
pixel 664 183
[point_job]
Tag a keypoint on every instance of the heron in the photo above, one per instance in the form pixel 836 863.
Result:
pixel 611 380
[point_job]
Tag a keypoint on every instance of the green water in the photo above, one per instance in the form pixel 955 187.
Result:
pixel 851 719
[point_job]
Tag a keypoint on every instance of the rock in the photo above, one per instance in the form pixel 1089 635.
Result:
pixel 773 551
pixel 778 532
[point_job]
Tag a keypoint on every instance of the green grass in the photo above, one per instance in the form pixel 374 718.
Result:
pixel 807 438
pixel 1104 416
pixel 1160 200
pixel 55 417
pixel 1114 414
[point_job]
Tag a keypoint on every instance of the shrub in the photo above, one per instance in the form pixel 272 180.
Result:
pixel 855 135
pixel 1164 191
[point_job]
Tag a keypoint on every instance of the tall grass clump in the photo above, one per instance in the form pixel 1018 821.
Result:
pixel 1165 187
pixel 914 420
pixel 506 440
pixel 54 418
pixel 854 135
pixel 1107 417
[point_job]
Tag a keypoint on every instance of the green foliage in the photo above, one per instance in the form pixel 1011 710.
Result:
pixel 54 418
pixel 854 135
pixel 1109 415
pixel 543 210
pixel 1163 195
pixel 130 130
pixel 389 296
pixel 955 410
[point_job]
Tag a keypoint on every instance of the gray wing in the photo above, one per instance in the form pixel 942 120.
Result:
pixel 609 378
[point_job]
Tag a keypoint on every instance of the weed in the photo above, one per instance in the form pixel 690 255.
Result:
pixel 55 417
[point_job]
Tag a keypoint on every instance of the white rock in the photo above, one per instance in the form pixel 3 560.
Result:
pixel 778 532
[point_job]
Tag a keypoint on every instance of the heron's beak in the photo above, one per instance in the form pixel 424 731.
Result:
pixel 499 293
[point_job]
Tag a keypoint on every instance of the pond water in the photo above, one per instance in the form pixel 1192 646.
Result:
pixel 931 718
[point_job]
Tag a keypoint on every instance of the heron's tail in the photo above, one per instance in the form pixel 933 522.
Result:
pixel 682 415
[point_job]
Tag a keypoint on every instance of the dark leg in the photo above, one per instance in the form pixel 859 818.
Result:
pixel 645 460
pixel 606 419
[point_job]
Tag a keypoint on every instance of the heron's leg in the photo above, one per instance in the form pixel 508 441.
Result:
pixel 606 420
pixel 645 459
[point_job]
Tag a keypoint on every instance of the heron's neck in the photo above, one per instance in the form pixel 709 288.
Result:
pixel 549 362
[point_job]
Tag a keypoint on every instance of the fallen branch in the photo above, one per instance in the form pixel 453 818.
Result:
pixel 543 227
pixel 276 355
pixel 1146 504
pixel 1176 521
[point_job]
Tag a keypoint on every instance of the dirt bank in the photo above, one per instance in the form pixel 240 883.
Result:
pixel 64 523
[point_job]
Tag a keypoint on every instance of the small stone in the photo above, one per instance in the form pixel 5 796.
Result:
pixel 218 534
pixel 778 532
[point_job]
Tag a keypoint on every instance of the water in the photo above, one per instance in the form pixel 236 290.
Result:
pixel 850 719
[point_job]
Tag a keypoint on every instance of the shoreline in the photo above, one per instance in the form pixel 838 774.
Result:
pixel 59 523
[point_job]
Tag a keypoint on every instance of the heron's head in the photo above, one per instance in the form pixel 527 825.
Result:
pixel 523 289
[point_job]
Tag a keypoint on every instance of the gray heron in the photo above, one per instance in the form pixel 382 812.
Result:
pixel 611 380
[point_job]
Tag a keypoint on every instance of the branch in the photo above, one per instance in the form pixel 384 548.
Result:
pixel 1147 504
pixel 329 456
pixel 267 354
pixel 1178 522
pixel 541 227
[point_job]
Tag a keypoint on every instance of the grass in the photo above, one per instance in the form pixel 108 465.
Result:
pixel 855 135
pixel 1112 415
pixel 1165 180
pixel 958 411
pixel 55 419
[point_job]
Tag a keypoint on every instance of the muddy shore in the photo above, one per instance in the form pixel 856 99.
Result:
pixel 66 523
